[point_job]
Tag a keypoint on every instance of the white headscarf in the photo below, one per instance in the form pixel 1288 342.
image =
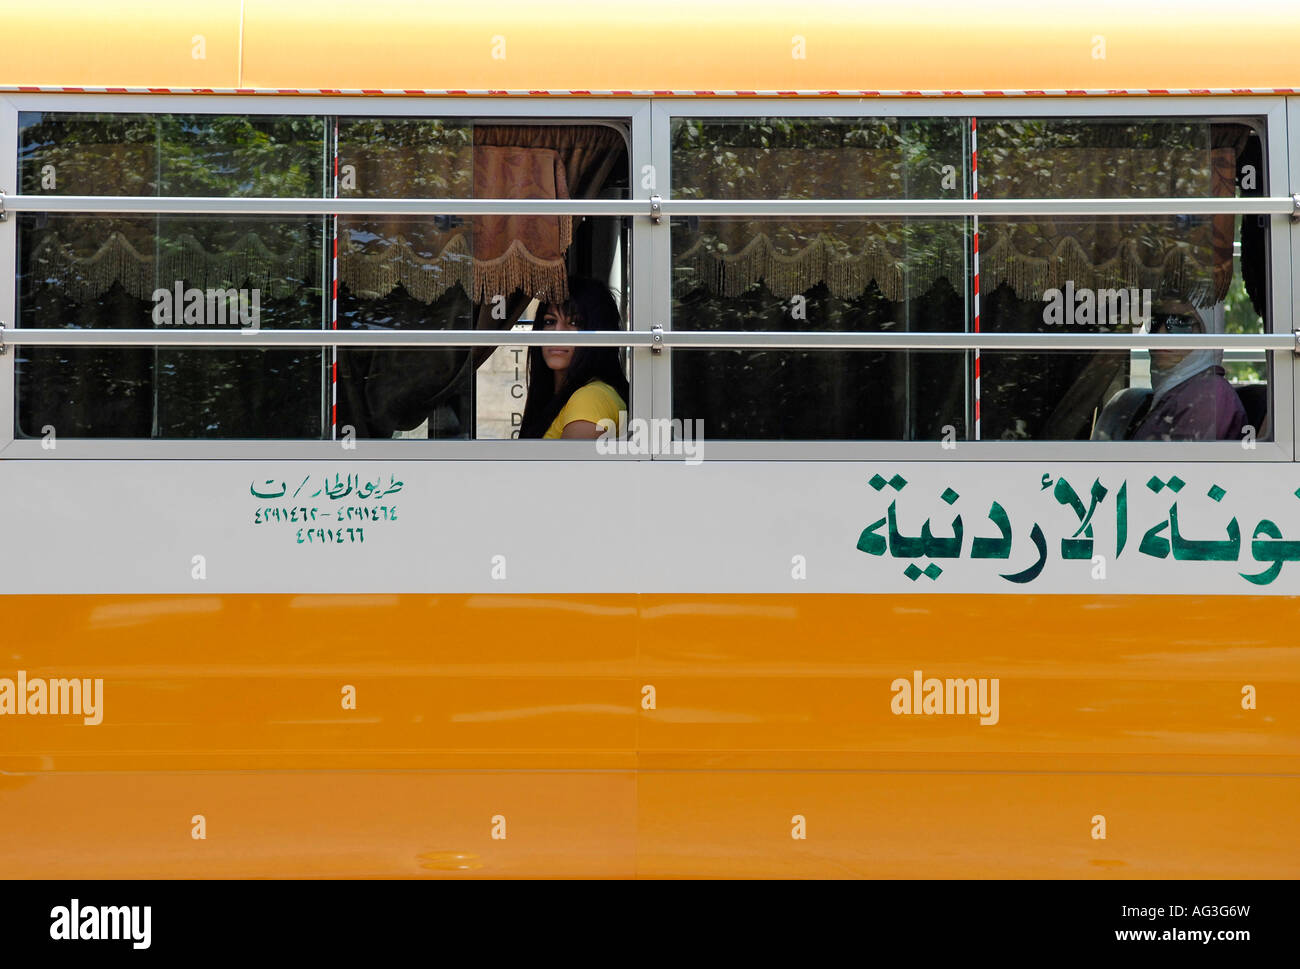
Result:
pixel 1192 364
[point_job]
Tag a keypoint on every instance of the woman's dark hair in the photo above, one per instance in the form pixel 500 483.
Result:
pixel 592 307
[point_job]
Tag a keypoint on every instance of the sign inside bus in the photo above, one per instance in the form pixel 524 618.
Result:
pixel 1092 508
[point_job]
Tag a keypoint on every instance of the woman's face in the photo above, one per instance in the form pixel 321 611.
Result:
pixel 1172 322
pixel 555 319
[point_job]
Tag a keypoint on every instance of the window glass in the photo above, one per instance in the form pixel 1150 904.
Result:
pixel 445 272
pixel 823 394
pixel 756 274
pixel 811 158
pixel 1121 274
pixel 1102 274
pixel 208 271
pixel 142 272
pixel 1039 274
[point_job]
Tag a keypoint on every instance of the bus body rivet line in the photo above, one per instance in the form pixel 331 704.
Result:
pixel 657 209
pixel 657 339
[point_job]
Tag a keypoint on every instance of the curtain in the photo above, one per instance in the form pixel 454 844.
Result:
pixel 440 262
pixel 484 255
pixel 1188 255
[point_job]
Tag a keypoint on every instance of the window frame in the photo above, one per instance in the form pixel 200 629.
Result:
pixel 632 112
pixel 1283 164
pixel 649 121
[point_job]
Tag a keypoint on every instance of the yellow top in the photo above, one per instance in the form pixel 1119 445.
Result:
pixel 593 401
pixel 677 46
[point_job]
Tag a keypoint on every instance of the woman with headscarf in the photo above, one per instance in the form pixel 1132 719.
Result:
pixel 1191 398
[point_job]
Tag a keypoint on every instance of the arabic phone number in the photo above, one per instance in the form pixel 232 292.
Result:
pixel 350 513
pixel 330 536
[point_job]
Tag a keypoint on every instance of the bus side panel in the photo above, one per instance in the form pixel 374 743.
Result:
pixel 1146 683
pixel 881 824
pixel 513 734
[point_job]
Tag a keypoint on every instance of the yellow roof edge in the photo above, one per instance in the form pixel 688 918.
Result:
pixel 814 48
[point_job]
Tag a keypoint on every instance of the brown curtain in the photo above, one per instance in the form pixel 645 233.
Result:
pixel 727 256
pixel 587 155
pixel 427 257
pixel 903 259
pixel 484 255
pixel 509 254
pixel 517 257
pixel 153 258
pixel 1190 255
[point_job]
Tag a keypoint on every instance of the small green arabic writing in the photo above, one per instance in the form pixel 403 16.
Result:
pixel 362 495
pixel 337 490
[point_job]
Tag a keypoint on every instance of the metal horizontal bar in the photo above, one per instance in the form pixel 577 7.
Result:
pixel 237 338
pixel 231 337
pixel 1062 340
pixel 197 205
pixel 811 208
pixel 957 208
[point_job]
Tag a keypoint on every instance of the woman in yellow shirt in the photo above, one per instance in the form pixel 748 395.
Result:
pixel 572 389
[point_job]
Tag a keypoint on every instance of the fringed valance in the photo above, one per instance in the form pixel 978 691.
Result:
pixel 1191 255
pixel 485 256
pixel 901 259
pixel 428 277
pixel 1031 259
pixel 83 278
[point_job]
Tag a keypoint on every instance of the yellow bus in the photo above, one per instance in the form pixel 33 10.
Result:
pixel 934 512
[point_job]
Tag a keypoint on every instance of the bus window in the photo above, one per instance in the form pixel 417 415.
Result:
pixel 137 272
pixel 450 272
pixel 437 272
pixel 1037 274
pixel 807 274
pixel 782 394
pixel 1122 274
